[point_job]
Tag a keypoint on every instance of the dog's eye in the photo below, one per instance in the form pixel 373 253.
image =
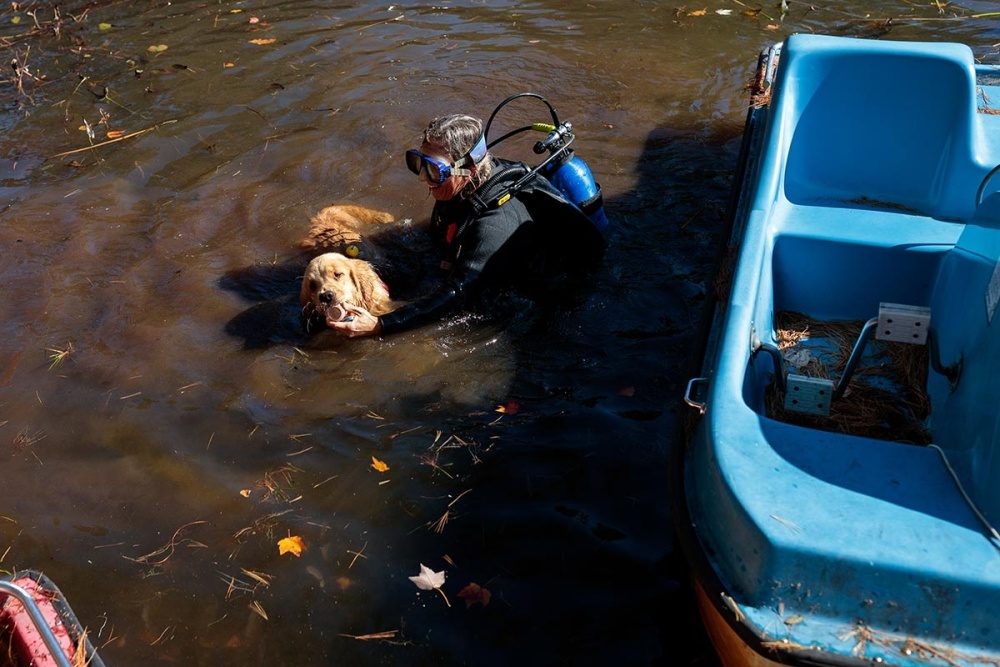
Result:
pixel 313 285
pixel 338 275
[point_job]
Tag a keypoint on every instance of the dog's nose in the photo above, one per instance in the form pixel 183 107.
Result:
pixel 326 297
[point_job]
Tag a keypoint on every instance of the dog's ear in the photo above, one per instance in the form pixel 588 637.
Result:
pixel 371 289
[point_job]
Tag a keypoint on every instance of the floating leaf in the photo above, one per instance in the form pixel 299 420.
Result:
pixel 104 26
pixel 114 134
pixel 474 593
pixel 379 465
pixel 157 48
pixel 15 20
pixel 509 408
pixel 270 40
pixel 292 544
pixel 698 12
pixel 723 12
pixel 229 65
pixel 245 493
pixel 254 19
pixel 428 579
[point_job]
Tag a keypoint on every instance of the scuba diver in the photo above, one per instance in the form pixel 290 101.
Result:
pixel 500 224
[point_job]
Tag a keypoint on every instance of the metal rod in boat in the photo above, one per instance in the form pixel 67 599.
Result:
pixel 35 613
pixel 855 358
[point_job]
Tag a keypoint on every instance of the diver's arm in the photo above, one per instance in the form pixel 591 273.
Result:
pixel 429 309
pixel 426 310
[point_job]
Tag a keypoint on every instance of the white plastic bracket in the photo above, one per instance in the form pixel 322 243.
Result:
pixel 809 395
pixel 903 324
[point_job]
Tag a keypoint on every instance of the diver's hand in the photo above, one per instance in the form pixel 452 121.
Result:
pixel 359 322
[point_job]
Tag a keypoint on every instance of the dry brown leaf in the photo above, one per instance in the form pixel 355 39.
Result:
pixel 474 593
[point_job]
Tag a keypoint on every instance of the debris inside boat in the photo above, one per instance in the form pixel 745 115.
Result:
pixel 886 397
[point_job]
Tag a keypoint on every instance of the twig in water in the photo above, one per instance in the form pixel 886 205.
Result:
pixel 167 548
pixel 112 141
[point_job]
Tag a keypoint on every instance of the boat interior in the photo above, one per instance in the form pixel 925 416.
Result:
pixel 872 205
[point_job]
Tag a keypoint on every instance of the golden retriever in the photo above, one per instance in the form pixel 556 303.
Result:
pixel 331 280
pixel 337 228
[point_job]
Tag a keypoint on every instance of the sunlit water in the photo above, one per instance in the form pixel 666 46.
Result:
pixel 152 470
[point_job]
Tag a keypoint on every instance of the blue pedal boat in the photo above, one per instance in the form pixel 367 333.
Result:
pixel 838 493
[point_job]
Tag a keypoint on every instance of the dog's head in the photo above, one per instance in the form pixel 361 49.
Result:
pixel 331 280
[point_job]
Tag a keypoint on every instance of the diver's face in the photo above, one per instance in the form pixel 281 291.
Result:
pixel 452 185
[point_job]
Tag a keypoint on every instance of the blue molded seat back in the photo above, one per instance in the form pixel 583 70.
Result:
pixel 966 322
pixel 886 123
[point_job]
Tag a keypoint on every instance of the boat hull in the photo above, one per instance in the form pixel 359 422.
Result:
pixel 731 649
pixel 818 535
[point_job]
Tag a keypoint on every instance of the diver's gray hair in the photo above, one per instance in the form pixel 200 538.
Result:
pixel 458 134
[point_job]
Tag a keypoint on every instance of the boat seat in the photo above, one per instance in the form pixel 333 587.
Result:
pixel 965 422
pixel 890 126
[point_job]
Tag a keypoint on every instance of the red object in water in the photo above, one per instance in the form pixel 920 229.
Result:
pixel 48 633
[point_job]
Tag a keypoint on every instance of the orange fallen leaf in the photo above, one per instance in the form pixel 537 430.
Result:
pixel 114 134
pixel 474 593
pixel 698 12
pixel 270 40
pixel 245 493
pixel 379 465
pixel 292 544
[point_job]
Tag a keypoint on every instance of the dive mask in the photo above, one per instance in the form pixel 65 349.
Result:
pixel 439 171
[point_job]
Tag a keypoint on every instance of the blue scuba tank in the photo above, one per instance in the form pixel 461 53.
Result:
pixel 571 176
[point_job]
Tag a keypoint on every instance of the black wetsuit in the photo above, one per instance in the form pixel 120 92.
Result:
pixel 525 244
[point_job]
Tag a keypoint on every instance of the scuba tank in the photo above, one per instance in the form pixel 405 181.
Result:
pixel 564 170
pixel 571 176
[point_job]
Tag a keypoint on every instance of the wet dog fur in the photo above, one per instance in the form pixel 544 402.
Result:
pixel 336 228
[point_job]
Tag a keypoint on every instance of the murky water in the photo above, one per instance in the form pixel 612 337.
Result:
pixel 163 425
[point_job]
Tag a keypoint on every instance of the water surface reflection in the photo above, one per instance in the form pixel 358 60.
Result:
pixel 126 466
